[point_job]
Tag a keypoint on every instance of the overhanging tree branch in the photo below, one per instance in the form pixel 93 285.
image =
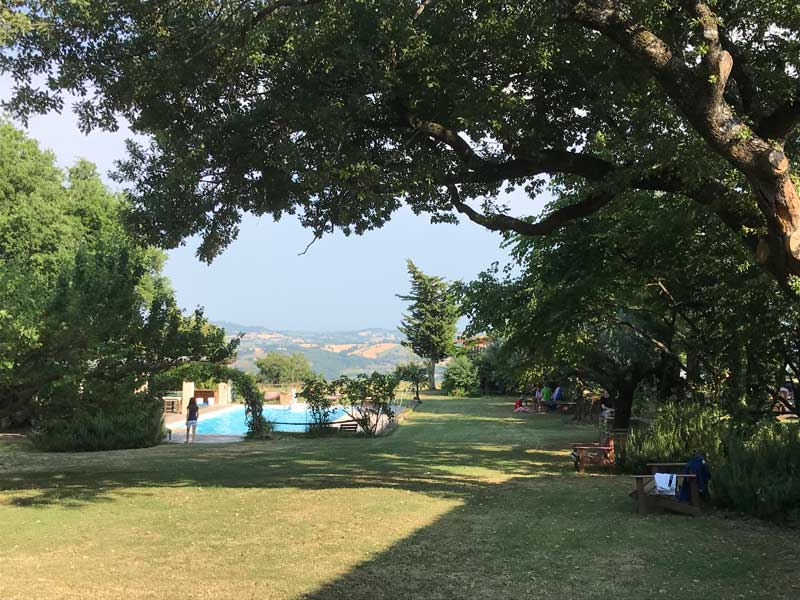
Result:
pixel 543 162
pixel 481 170
pixel 500 222
pixel 699 94
pixel 710 193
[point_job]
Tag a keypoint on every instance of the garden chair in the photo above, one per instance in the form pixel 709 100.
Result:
pixel 619 435
pixel 602 454
pixel 689 487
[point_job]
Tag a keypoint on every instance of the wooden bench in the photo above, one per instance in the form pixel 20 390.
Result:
pixel 619 436
pixel 594 454
pixel 648 501
pixel 665 467
pixel 348 426
pixel 535 405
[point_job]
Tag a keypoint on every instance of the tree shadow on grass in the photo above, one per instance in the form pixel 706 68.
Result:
pixel 541 541
pixel 422 467
pixel 524 524
pixel 423 455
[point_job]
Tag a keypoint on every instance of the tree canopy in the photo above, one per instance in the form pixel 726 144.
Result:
pixel 461 377
pixel 87 319
pixel 430 323
pixel 413 373
pixel 662 298
pixel 339 111
pixel 280 368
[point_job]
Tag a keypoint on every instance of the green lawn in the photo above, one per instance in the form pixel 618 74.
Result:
pixel 461 501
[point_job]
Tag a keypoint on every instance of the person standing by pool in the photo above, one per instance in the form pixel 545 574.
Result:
pixel 192 412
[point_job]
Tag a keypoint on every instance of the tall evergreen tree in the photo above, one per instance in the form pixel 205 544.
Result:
pixel 430 323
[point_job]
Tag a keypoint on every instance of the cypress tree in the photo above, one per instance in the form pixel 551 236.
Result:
pixel 430 323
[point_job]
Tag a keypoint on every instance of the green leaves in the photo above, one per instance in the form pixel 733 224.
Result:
pixel 87 318
pixel 317 394
pixel 461 377
pixel 367 399
pixel 279 368
pixel 631 293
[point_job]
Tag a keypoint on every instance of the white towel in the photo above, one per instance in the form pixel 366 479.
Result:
pixel 665 483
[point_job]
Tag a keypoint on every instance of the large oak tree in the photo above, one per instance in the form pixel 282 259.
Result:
pixel 644 297
pixel 339 110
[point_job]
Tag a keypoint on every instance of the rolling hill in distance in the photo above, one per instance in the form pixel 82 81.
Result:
pixel 330 353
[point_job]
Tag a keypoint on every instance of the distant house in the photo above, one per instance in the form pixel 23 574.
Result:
pixel 479 341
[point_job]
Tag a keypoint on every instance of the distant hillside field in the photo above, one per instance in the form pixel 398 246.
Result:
pixel 331 354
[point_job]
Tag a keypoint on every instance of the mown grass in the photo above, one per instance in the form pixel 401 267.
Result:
pixel 461 501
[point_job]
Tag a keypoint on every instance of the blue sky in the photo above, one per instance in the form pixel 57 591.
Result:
pixel 340 284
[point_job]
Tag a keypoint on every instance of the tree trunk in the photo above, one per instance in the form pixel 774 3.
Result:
pixel 623 405
pixel 432 375
pixel 668 377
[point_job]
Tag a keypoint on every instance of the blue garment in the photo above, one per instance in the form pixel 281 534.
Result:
pixel 698 467
pixel 558 396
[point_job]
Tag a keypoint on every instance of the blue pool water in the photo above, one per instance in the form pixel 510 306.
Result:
pixel 231 422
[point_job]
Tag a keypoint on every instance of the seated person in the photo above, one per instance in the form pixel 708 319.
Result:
pixel 606 405
pixel 546 393
pixel 786 398
pixel 518 407
pixel 557 396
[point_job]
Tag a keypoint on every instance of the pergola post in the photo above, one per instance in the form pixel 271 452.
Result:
pixel 186 393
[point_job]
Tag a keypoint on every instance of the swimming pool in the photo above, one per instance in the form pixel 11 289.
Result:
pixel 231 421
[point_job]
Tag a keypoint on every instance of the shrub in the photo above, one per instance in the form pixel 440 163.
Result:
pixel 502 369
pixel 264 432
pixel 461 377
pixel 367 399
pixel 414 373
pixel 137 423
pixel 678 431
pixel 761 472
pixel 317 394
